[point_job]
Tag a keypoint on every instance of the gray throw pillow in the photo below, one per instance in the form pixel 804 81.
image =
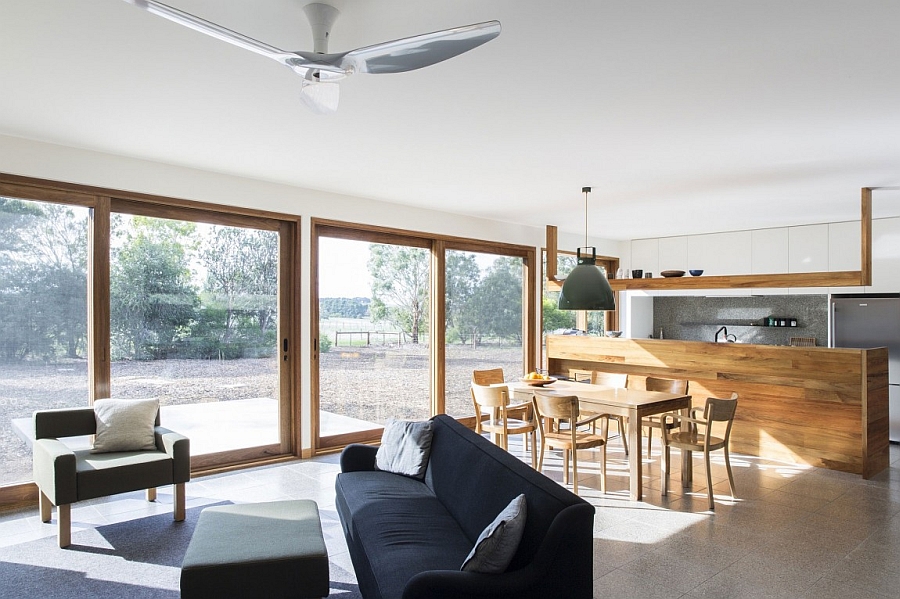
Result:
pixel 498 543
pixel 125 425
pixel 405 447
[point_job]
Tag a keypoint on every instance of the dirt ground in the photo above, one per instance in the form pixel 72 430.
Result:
pixel 367 383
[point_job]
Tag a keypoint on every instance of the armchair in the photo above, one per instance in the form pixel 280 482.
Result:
pixel 64 476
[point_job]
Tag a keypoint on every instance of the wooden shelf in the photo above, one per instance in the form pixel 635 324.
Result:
pixel 847 278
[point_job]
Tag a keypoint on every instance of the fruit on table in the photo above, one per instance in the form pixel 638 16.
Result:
pixel 534 376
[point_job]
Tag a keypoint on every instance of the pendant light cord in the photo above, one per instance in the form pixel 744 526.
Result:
pixel 586 191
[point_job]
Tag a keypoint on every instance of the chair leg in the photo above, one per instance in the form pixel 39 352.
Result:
pixel 575 471
pixel 151 494
pixel 622 433
pixel 603 468
pixel 649 440
pixel 179 502
pixel 533 448
pixel 565 466
pixel 64 526
pixel 665 470
pixel 46 507
pixel 541 460
pixel 709 487
pixel 730 475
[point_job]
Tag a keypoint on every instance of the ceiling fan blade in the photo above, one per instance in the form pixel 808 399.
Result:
pixel 415 52
pixel 211 29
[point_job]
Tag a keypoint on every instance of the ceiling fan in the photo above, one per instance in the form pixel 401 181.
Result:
pixel 320 70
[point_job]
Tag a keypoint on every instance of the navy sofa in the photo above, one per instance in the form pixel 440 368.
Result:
pixel 408 537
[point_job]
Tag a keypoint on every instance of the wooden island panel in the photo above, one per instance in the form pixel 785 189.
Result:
pixel 809 405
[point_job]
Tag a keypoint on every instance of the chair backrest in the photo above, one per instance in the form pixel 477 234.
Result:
pixel 720 410
pixel 556 406
pixel 490 397
pixel 609 379
pixel 493 376
pixel 679 386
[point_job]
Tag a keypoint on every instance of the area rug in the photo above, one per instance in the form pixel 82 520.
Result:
pixel 134 559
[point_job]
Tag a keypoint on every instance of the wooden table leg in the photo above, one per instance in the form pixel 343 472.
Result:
pixel 634 456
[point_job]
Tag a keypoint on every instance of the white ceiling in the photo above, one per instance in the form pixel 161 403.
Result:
pixel 685 116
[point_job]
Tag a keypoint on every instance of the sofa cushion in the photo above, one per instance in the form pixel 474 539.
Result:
pixel 498 543
pixel 405 445
pixel 102 474
pixel 398 528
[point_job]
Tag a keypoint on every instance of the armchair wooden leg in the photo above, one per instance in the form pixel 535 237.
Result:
pixel 730 475
pixel 64 524
pixel 46 507
pixel 151 494
pixel 622 433
pixel 665 463
pixel 533 449
pixel 574 471
pixel 709 486
pixel 179 502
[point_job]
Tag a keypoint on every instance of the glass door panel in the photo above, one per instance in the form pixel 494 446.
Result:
pixel 373 335
pixel 483 322
pixel 43 321
pixel 193 322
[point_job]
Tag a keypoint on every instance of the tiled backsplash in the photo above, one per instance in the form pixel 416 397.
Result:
pixel 697 318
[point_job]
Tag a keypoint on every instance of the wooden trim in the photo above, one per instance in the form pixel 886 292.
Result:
pixel 194 214
pixel 98 316
pixel 808 279
pixel 21 188
pixel 231 467
pixel 288 335
pixel 314 336
pixel 437 326
pixel 552 241
pixel 875 418
pixel 245 455
pixel 866 237
pixel 531 324
pixel 18 495
pixel 57 191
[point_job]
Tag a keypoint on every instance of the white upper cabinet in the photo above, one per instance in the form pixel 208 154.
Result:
pixel 673 254
pixel 808 248
pixel 645 255
pixel 769 251
pixel 844 251
pixel 885 256
pixel 720 253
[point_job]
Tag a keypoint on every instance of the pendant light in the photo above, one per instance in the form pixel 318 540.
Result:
pixel 586 287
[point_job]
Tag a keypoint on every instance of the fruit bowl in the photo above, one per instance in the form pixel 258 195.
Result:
pixel 539 382
pixel 696 273
pixel 672 273
pixel 613 333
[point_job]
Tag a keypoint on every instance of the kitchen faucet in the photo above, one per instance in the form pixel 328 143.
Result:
pixel 730 338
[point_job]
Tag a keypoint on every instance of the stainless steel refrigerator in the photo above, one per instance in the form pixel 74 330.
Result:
pixel 865 321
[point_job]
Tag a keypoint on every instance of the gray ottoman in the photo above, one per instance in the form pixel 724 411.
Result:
pixel 264 550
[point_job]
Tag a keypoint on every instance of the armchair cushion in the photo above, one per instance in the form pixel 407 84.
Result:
pixel 125 425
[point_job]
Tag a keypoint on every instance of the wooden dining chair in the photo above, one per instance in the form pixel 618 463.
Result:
pixel 606 379
pixel 717 410
pixel 677 386
pixel 495 401
pixel 558 408
pixel 494 376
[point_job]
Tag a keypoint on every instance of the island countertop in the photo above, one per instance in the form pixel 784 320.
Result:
pixel 826 407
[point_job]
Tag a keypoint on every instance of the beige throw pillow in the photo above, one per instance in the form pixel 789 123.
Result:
pixel 125 425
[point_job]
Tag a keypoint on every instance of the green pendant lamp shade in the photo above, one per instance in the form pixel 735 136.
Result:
pixel 586 287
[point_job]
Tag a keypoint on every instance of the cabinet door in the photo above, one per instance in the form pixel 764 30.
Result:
pixel 645 255
pixel 844 251
pixel 885 256
pixel 673 254
pixel 808 248
pixel 769 251
pixel 720 253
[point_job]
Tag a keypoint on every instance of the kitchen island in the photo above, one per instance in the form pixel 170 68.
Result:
pixel 825 407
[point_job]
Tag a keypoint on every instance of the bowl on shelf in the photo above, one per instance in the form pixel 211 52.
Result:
pixel 672 273
pixel 613 333
pixel 696 273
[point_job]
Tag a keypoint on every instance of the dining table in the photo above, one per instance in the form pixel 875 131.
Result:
pixel 635 404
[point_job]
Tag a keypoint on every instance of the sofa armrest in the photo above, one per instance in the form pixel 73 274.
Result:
pixel 358 457
pixel 54 471
pixel 455 584
pixel 179 449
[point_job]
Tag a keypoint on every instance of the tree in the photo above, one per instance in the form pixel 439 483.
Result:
pixel 242 277
pixel 554 318
pixel 462 276
pixel 400 287
pixel 495 308
pixel 152 299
